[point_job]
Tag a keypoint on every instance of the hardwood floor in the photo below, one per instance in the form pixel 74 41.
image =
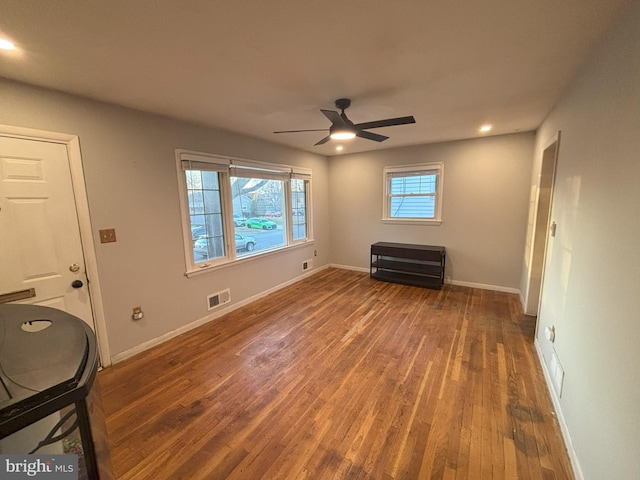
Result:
pixel 340 376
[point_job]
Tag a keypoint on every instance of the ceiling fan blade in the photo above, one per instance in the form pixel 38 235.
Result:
pixel 344 118
pixel 371 136
pixel 323 141
pixel 297 131
pixel 334 117
pixel 389 122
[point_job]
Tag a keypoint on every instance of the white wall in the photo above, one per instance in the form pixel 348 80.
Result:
pixel 591 290
pixel 132 186
pixel 486 182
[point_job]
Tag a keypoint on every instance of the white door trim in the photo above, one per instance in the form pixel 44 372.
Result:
pixel 72 143
pixel 535 237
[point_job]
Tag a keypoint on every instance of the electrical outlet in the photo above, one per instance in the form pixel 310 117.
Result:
pixel 138 314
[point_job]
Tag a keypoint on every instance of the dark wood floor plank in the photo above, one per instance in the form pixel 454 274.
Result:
pixel 341 377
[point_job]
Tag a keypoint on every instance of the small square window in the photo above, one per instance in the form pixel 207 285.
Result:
pixel 413 193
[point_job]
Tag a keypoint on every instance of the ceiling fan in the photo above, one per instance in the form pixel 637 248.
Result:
pixel 344 129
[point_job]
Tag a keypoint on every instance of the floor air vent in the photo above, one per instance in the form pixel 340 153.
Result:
pixel 216 299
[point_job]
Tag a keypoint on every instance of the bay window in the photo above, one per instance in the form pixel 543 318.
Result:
pixel 233 209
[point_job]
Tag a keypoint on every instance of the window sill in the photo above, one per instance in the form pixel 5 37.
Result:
pixel 411 221
pixel 196 272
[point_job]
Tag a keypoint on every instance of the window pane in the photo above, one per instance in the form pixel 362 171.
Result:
pixel 213 225
pixel 299 208
pixel 210 180
pixel 212 201
pixel 208 248
pixel 412 207
pixel 416 184
pixel 192 177
pixel 205 215
pixel 257 214
pixel 196 202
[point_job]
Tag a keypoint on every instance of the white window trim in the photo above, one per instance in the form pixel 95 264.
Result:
pixel 439 167
pixel 226 166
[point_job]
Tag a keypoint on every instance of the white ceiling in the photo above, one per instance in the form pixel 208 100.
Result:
pixel 257 66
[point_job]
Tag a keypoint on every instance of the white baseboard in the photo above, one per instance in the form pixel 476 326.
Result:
pixel 119 357
pixel 564 428
pixel 349 267
pixel 483 286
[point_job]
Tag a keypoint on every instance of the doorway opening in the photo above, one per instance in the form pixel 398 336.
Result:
pixel 543 227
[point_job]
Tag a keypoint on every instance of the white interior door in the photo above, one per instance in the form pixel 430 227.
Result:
pixel 40 248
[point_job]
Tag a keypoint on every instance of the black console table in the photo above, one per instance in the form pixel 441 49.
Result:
pixel 418 265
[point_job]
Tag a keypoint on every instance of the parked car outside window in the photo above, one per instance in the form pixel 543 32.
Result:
pixel 245 242
pixel 262 223
pixel 238 221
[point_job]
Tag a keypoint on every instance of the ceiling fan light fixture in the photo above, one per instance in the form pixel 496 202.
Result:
pixel 6 44
pixel 341 133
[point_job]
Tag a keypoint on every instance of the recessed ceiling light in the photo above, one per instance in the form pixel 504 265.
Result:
pixel 6 44
pixel 339 147
pixel 485 128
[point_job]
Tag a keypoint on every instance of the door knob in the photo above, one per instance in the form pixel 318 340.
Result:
pixel 76 283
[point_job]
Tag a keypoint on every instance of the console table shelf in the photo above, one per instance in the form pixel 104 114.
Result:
pixel 409 264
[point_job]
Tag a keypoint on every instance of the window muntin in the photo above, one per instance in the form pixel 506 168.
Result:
pixel 235 208
pixel 413 193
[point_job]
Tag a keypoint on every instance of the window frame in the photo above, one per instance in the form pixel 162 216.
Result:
pixel 412 170
pixel 228 167
pixel 305 176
